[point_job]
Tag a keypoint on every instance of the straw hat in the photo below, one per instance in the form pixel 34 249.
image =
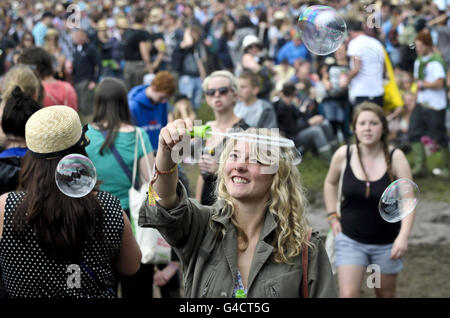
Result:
pixel 102 25
pixel 51 32
pixel 122 22
pixel 59 7
pixel 279 15
pixel 155 15
pixel 121 3
pixel 53 129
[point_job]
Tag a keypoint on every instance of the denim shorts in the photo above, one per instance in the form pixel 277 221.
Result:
pixel 351 252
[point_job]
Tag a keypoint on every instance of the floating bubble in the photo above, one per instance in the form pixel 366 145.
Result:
pixel 322 29
pixel 398 200
pixel 75 175
pixel 412 46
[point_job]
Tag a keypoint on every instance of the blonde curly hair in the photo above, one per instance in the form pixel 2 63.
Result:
pixel 287 201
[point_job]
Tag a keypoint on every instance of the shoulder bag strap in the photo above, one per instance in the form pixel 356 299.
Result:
pixel 119 159
pixel 136 159
pixel 96 279
pixel 392 153
pixel 341 178
pixel 65 94
pixel 47 93
pixel 305 292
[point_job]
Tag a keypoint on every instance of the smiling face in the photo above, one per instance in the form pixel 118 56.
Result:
pixel 220 101
pixel 243 177
pixel 368 128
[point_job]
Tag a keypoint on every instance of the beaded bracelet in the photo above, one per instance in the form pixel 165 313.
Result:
pixel 332 219
pixel 157 172
pixel 152 195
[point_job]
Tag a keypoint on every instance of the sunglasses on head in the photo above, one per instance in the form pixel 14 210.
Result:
pixel 221 90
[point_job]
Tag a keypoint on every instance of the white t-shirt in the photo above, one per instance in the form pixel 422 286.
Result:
pixel 434 98
pixel 250 114
pixel 369 80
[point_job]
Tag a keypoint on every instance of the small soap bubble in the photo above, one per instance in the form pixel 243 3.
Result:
pixel 398 200
pixel 412 46
pixel 322 29
pixel 75 175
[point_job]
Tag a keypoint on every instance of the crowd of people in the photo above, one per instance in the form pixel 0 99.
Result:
pixel 116 67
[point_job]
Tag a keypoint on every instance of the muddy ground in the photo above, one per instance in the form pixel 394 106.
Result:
pixel 426 271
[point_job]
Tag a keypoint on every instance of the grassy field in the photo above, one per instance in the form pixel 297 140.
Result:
pixel 314 170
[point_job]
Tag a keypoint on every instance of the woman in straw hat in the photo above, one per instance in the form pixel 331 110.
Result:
pixel 50 242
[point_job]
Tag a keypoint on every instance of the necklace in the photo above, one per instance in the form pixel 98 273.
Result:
pixel 367 189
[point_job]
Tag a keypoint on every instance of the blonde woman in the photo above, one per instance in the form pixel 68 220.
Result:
pixel 24 77
pixel 248 244
pixel 362 237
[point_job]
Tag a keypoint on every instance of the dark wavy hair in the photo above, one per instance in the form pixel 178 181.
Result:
pixel 18 108
pixel 62 224
pixel 39 58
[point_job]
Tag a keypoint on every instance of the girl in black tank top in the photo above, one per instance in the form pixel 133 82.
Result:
pixel 364 178
pixel 360 218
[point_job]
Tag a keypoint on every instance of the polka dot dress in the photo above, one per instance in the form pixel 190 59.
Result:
pixel 28 272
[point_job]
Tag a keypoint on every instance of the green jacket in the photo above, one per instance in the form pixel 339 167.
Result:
pixel 210 264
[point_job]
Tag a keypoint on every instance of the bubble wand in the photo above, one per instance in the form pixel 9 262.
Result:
pixel 205 131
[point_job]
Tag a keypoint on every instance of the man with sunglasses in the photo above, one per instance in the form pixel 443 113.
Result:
pixel 221 95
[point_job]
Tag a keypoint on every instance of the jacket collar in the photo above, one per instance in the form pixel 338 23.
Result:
pixel 269 221
pixel 263 249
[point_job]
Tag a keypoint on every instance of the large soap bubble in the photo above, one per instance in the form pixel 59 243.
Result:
pixel 398 200
pixel 75 175
pixel 322 29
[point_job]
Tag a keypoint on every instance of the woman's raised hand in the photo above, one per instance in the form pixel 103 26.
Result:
pixel 173 132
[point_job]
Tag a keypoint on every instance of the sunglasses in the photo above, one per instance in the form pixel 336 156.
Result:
pixel 252 46
pixel 221 90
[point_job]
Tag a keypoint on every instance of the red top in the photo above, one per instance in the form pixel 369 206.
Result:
pixel 60 93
